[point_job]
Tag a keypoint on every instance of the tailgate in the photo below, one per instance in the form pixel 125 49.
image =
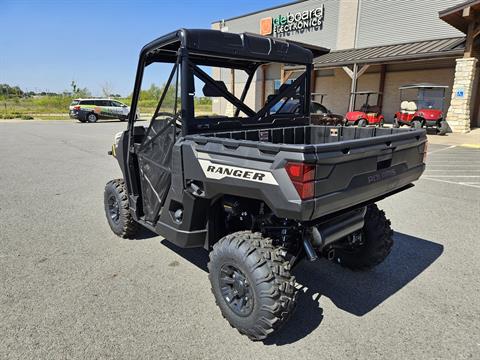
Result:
pixel 351 172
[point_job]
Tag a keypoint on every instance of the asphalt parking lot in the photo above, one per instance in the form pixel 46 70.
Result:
pixel 70 289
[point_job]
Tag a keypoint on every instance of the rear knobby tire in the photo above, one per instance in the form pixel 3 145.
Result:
pixel 377 242
pixel 268 283
pixel 117 209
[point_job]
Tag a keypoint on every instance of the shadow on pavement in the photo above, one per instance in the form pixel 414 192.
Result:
pixel 144 234
pixel 196 256
pixel 354 292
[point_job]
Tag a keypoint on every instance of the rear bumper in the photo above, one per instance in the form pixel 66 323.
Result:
pixel 431 123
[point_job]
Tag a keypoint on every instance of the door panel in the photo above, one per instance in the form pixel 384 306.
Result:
pixel 155 162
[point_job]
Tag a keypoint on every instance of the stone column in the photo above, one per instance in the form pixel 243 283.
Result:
pixel 458 115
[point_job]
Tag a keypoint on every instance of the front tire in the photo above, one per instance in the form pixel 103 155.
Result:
pixel 92 117
pixel 443 128
pixel 362 123
pixel 374 247
pixel 417 124
pixel 251 283
pixel 117 209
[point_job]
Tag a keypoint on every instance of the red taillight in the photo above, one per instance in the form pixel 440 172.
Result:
pixel 77 107
pixel 302 176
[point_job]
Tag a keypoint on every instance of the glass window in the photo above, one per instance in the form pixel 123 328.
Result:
pixel 102 102
pixel 154 84
pixel 278 83
pixel 87 102
pixel 286 106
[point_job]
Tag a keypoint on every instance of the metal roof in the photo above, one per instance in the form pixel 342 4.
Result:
pixel 422 85
pixel 393 53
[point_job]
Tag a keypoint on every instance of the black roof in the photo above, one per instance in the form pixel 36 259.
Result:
pixel 366 92
pixel 217 48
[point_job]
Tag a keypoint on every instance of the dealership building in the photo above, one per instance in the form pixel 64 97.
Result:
pixel 376 45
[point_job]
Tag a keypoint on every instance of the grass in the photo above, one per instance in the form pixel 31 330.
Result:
pixel 56 107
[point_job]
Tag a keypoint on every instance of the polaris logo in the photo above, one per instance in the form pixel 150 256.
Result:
pixel 217 172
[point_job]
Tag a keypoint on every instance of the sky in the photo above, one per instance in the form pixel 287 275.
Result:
pixel 45 44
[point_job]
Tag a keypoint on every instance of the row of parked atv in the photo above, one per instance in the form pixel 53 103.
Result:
pixel 422 105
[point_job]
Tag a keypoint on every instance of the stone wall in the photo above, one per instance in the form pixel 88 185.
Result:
pixel 458 116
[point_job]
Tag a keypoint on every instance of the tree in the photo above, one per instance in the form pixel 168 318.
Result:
pixel 107 89
pixel 73 84
pixel 79 92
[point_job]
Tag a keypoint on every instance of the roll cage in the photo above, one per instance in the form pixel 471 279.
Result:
pixel 188 49
pixel 147 158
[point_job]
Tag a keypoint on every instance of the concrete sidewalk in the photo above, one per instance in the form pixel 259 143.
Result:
pixel 471 139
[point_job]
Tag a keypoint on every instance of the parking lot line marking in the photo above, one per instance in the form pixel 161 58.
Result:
pixel 453 176
pixel 435 151
pixel 452 165
pixel 453 182
pixel 447 170
pixel 473 154
pixel 472 146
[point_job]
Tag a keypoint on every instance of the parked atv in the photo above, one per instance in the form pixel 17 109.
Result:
pixel 320 115
pixel 365 114
pixel 260 190
pixel 422 105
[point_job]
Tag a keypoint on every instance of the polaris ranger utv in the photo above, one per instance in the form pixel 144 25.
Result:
pixel 259 189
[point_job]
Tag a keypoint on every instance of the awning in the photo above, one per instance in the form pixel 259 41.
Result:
pixel 457 17
pixel 441 48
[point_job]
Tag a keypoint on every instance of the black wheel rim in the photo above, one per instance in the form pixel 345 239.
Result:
pixel 113 209
pixel 236 290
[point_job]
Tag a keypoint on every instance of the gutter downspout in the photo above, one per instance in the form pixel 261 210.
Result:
pixel 353 88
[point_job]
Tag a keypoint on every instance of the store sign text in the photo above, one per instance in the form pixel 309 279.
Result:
pixel 293 22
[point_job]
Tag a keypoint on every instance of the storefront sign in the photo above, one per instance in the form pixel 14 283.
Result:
pixel 460 93
pixel 293 22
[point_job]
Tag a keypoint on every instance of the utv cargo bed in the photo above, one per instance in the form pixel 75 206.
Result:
pixel 353 165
